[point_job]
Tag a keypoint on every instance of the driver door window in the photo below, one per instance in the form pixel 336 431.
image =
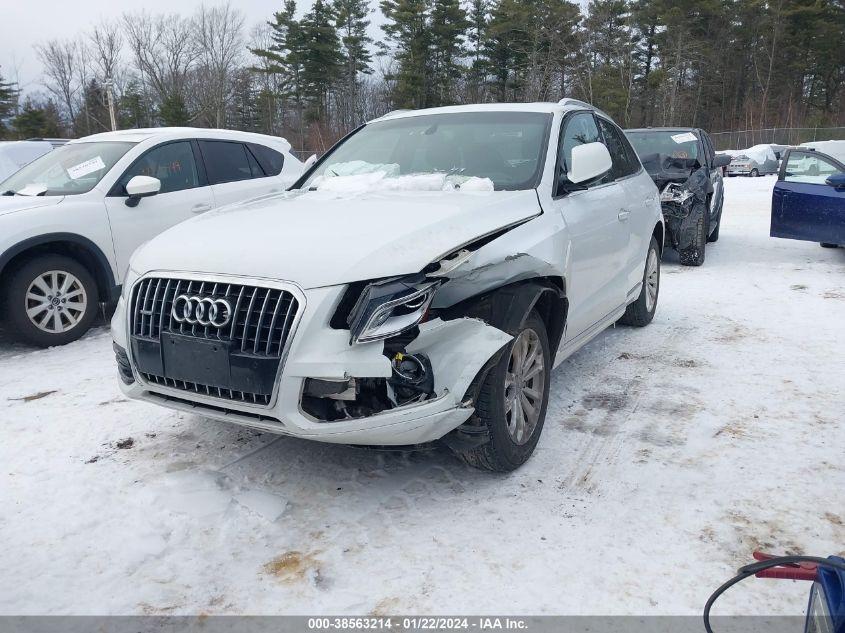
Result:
pixel 808 167
pixel 173 164
pixel 580 130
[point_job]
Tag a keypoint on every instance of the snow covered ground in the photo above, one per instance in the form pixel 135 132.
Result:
pixel 669 454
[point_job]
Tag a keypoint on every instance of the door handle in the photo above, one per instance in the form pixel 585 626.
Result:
pixel 623 215
pixel 201 208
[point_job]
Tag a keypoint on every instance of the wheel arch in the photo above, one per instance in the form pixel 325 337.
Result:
pixel 72 245
pixel 659 233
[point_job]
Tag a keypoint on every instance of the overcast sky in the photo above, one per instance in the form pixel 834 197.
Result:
pixel 24 23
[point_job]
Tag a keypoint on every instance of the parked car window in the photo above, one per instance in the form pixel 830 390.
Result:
pixel 808 167
pixel 270 160
pixel 580 129
pixel 673 143
pixel 172 163
pixel 617 146
pixel 226 161
pixel 709 152
pixel 68 170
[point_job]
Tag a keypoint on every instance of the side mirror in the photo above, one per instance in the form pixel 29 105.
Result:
pixel 836 180
pixel 722 160
pixel 141 187
pixel 589 161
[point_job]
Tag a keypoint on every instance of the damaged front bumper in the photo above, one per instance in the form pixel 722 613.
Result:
pixel 456 349
pixel 682 210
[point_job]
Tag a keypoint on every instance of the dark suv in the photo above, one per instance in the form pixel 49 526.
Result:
pixel 686 170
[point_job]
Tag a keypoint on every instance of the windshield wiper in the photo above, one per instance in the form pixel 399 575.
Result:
pixel 8 192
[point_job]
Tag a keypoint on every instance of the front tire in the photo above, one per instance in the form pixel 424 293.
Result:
pixel 754 173
pixel 512 399
pixel 641 312
pixel 693 255
pixel 51 300
pixel 828 245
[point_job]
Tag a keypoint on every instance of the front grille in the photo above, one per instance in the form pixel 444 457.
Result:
pixel 209 390
pixel 257 332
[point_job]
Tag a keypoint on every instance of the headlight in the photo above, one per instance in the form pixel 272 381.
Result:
pixel 674 192
pixel 390 307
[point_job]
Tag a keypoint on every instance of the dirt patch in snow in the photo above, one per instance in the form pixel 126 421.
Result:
pixel 294 566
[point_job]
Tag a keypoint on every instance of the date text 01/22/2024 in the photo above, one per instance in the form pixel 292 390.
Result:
pixel 417 624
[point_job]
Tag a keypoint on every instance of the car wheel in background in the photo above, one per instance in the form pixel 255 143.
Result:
pixel 693 255
pixel 511 401
pixel 641 312
pixel 50 300
pixel 827 245
pixel 754 173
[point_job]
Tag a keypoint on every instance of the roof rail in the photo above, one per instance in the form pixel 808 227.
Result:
pixel 569 101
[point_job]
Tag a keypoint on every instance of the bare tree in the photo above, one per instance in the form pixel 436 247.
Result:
pixel 163 49
pixel 220 42
pixel 60 61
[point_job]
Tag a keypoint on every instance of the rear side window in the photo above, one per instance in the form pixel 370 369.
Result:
pixel 227 161
pixel 270 160
pixel 620 152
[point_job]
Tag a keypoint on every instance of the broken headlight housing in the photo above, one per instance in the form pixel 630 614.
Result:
pixel 390 307
pixel 673 192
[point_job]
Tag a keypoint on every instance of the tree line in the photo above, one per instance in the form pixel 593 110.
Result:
pixel 313 75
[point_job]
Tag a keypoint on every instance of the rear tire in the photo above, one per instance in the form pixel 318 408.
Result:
pixel 50 300
pixel 499 405
pixel 714 236
pixel 754 173
pixel 693 255
pixel 641 312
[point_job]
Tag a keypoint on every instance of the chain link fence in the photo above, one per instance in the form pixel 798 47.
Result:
pixel 743 139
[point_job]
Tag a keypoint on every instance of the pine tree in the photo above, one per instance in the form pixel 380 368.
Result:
pixel 285 58
pixel 478 16
pixel 449 24
pixel 321 60
pixel 173 111
pixel 352 22
pixel 407 29
pixel 8 102
pixel 37 122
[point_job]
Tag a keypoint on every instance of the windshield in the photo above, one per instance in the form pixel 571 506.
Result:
pixel 673 143
pixel 505 147
pixel 71 169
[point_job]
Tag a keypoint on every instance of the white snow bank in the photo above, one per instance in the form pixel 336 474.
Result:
pixel 359 176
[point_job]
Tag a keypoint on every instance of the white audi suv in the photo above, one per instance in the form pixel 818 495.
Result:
pixel 418 283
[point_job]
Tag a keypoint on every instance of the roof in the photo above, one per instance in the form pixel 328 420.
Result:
pixel 164 133
pixel 540 107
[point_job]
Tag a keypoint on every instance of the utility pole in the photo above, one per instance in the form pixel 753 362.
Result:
pixel 110 98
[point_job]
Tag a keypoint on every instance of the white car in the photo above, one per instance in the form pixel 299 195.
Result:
pixel 418 283
pixel 70 220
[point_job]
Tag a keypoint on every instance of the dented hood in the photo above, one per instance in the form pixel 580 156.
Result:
pixel 319 238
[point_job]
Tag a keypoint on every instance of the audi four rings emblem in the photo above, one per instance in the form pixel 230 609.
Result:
pixel 201 311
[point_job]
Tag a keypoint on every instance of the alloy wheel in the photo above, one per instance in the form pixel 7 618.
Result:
pixel 524 386
pixel 652 280
pixel 55 301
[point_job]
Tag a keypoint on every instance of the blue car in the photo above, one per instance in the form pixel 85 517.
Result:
pixel 808 202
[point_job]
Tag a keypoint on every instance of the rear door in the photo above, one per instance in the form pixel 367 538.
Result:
pixel 596 222
pixel 237 171
pixel 804 206
pixel 184 192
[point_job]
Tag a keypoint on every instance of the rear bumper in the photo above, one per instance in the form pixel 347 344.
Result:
pixel 458 349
